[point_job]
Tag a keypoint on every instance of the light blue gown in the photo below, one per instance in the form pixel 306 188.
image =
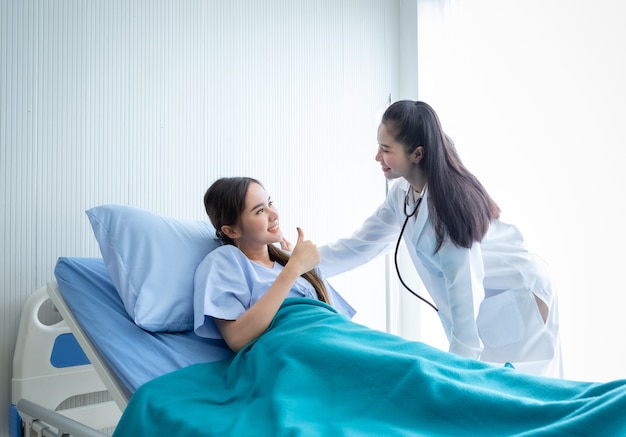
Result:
pixel 227 283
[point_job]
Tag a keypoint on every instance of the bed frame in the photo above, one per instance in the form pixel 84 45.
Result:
pixel 52 364
pixel 71 373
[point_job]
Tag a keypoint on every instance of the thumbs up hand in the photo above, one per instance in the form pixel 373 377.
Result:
pixel 305 255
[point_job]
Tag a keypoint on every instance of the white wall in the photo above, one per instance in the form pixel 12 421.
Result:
pixel 533 93
pixel 147 102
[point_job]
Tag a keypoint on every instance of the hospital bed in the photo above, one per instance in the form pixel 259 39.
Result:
pixel 334 375
pixel 55 363
pixel 313 371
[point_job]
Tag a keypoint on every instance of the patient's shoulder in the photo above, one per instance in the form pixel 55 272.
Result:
pixel 226 256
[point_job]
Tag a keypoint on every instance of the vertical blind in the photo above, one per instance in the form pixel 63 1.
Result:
pixel 145 103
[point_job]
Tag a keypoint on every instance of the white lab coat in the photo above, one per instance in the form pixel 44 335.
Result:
pixel 484 294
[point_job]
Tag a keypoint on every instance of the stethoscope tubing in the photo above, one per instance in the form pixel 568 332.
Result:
pixel 395 256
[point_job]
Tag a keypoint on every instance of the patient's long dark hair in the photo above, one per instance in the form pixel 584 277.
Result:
pixel 225 201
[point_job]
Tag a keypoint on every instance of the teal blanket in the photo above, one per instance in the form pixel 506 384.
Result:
pixel 315 373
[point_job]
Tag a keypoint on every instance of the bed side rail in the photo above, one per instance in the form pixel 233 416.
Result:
pixel 46 377
pixel 105 375
pixel 44 422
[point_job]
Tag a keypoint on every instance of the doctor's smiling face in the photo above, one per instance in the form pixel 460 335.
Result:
pixel 392 156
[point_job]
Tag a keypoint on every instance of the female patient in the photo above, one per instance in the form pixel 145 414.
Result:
pixel 240 286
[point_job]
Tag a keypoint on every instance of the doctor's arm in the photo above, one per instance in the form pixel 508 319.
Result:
pixel 376 236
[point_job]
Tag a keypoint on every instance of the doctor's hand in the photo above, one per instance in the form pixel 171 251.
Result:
pixel 305 255
pixel 286 245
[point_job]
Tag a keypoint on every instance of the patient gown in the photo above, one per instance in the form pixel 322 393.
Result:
pixel 316 373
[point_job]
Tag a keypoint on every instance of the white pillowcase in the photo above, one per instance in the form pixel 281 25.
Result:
pixel 152 260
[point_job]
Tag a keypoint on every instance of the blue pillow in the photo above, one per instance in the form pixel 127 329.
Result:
pixel 152 260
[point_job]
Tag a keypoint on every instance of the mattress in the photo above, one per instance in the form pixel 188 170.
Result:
pixel 133 355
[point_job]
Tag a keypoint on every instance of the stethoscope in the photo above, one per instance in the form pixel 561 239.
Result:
pixel 406 220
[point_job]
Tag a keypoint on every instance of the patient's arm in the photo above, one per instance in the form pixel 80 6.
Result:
pixel 252 323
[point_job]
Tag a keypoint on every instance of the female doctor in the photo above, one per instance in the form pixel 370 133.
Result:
pixel 494 298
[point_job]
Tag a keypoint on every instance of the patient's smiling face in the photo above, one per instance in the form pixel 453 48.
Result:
pixel 258 224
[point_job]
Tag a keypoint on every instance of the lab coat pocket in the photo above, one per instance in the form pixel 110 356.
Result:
pixel 500 321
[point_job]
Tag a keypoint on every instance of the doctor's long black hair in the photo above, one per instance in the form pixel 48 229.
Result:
pixel 225 201
pixel 459 206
